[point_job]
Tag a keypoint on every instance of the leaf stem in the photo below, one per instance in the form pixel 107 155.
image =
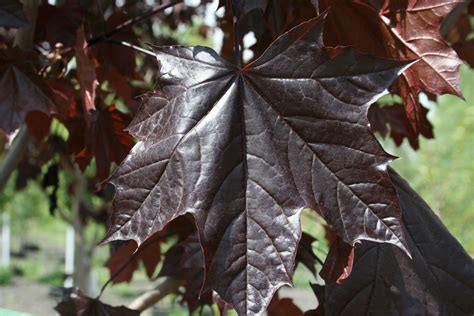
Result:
pixel 128 23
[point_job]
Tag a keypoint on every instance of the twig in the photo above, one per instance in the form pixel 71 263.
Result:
pixel 128 23
pixel 131 46
pixel 150 298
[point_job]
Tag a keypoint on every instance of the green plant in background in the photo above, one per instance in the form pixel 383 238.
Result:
pixel 6 275
pixel 443 170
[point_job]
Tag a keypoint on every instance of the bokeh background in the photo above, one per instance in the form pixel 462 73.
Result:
pixel 441 171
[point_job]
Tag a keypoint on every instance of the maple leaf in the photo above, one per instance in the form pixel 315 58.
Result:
pixel 245 150
pixel 409 30
pixel 105 138
pixel 184 261
pixel 438 281
pixel 395 117
pixel 76 303
pixel 126 258
pixel 150 257
pixel 12 15
pixel 59 24
pixel 116 64
pixel 86 74
pixel 21 90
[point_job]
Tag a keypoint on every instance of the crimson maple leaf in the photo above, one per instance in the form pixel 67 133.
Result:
pixel 438 281
pixel 408 30
pixel 125 259
pixel 394 116
pixel 184 261
pixel 245 150
pixel 104 138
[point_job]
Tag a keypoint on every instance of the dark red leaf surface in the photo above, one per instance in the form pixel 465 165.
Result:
pixel 384 281
pixel 21 90
pixel 339 261
pixel 125 259
pixel 59 24
pixel 184 261
pixel 105 138
pixel 245 150
pixel 77 304
pixel 11 14
pixel 122 265
pixel 392 120
pixel 116 64
pixel 400 30
pixel 283 307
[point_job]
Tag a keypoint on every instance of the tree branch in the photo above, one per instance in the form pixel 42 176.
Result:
pixel 131 46
pixel 150 298
pixel 128 23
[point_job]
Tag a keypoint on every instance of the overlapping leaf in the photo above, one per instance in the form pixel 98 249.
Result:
pixel 104 138
pixel 125 258
pixel 21 90
pixel 184 262
pixel 399 127
pixel 438 281
pixel 116 64
pixel 283 307
pixel 245 150
pixel 401 30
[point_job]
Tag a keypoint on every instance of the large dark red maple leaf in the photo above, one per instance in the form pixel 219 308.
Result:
pixel 438 281
pixel 407 29
pixel 245 150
